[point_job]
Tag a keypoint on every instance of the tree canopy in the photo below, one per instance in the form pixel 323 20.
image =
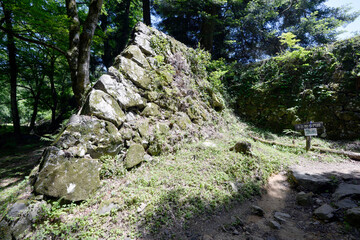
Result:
pixel 246 30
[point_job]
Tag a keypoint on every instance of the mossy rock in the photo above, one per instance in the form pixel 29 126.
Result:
pixel 155 149
pixel 138 75
pixel 134 53
pixel 143 128
pixel 103 106
pixel 162 128
pixel 151 109
pixel 121 90
pixel 134 155
pixel 183 121
pixel 98 137
pixel 61 176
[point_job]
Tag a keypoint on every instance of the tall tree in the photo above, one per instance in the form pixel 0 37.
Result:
pixel 11 48
pixel 41 19
pixel 80 36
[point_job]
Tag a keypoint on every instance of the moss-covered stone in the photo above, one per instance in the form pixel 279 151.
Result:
pixel 103 106
pixel 152 96
pixel 183 121
pixel 65 177
pixel 121 90
pixel 134 53
pixel 162 128
pixel 143 128
pixel 217 102
pixel 134 72
pixel 98 137
pixel 134 155
pixel 151 109
pixel 154 148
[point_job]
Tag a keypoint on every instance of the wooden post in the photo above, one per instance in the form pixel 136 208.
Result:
pixel 308 143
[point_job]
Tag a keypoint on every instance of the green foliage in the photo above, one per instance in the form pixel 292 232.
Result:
pixel 297 86
pixel 246 31
pixel 289 39
pixel 111 167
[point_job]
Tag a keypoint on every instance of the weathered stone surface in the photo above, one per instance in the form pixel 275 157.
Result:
pixel 325 212
pixel 5 231
pixel 183 120
pixel 134 53
pixel 345 203
pixel 281 217
pixel 162 128
pixel 353 216
pixel 134 156
pixel 216 102
pixel 143 41
pixel 151 109
pixel 274 224
pixel 73 179
pixel 19 220
pixel 310 182
pixel 304 199
pixel 346 190
pixel 99 137
pixel 143 128
pixel 257 211
pixel 21 228
pixel 36 211
pixel 103 106
pixel 16 209
pixel 154 148
pixel 121 91
pixel 138 75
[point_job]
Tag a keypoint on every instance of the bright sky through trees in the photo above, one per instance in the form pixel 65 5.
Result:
pixel 352 28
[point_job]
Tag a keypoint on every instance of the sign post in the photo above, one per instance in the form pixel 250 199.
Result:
pixel 310 129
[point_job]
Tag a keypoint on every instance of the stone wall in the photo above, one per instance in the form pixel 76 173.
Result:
pixel 320 84
pixel 155 97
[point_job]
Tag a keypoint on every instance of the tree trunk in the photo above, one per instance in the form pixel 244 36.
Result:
pixel 35 109
pixel 13 72
pixel 146 12
pixel 79 49
pixel 53 92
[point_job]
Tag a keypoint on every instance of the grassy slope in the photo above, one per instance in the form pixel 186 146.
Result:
pixel 173 189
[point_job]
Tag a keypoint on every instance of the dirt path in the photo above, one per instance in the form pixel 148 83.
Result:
pixel 240 222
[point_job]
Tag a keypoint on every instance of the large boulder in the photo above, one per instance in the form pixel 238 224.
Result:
pixel 134 156
pixel 138 75
pixel 63 176
pixel 103 106
pixel 98 137
pixel 121 90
